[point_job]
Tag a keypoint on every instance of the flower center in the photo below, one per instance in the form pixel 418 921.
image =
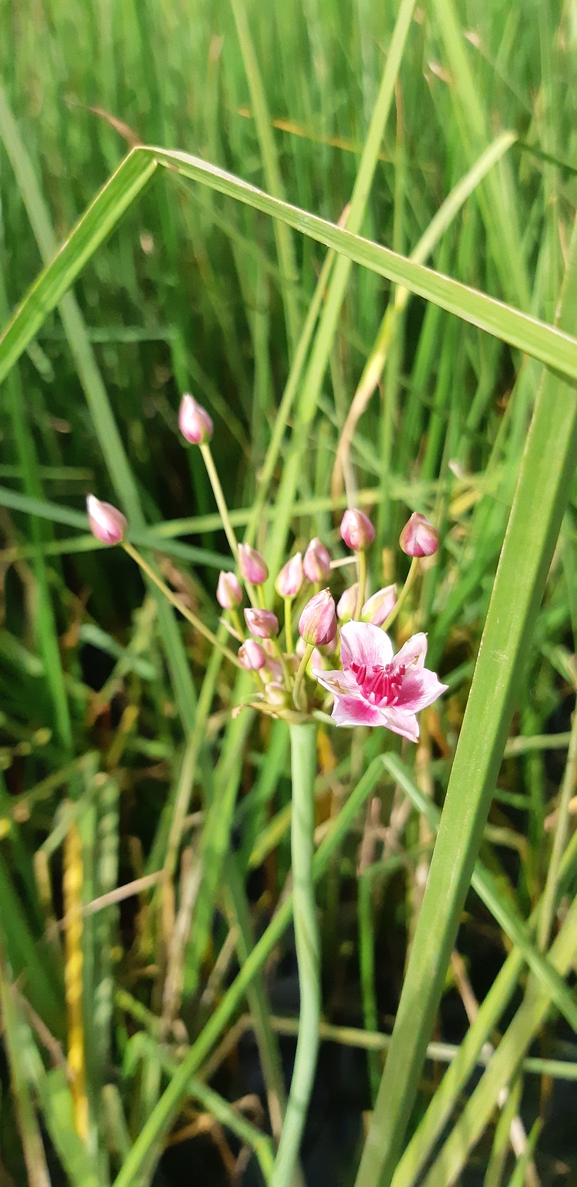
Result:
pixel 379 685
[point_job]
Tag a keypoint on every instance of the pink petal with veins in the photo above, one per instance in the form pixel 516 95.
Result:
pixel 363 643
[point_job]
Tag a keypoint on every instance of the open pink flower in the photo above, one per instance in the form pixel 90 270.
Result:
pixel 376 687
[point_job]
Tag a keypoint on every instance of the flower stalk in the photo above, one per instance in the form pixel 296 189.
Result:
pixel 301 675
pixel 219 496
pixel 197 623
pixel 411 575
pixel 362 576
pixel 288 624
pixel 303 771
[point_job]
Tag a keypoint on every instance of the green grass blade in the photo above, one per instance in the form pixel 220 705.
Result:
pixel 541 496
pixel 161 1118
pixel 46 621
pixel 97 222
pixel 550 345
pixel 274 184
pixel 495 196
pixel 503 1065
pixel 32 1144
pixel 486 886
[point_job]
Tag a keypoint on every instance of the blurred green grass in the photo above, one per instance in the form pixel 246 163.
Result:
pixel 190 293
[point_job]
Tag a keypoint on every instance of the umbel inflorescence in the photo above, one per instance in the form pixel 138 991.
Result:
pixel 343 655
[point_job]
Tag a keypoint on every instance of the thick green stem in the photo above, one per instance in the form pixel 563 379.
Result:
pixel 303 764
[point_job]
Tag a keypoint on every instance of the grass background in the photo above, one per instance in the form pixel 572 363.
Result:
pixel 194 292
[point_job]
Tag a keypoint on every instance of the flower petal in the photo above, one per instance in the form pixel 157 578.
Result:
pixel 413 652
pixel 349 710
pixel 337 682
pixel 402 722
pixel 419 688
pixel 365 644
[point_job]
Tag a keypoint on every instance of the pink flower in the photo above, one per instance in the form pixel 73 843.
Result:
pixel 347 603
pixel 317 561
pixel 251 564
pixel 357 530
pixel 290 578
pixel 378 608
pixel 262 623
pixel 376 687
pixel 419 537
pixel 228 591
pixel 251 656
pixel 107 523
pixel 193 421
pixel 318 622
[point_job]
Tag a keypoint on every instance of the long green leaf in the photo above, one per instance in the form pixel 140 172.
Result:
pixel 542 493
pixel 553 346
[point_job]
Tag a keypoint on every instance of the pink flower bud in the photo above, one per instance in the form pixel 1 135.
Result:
pixel 251 565
pixel 419 537
pixel 317 561
pixel 318 623
pixel 193 421
pixel 290 578
pixel 378 608
pixel 251 656
pixel 347 603
pixel 262 623
pixel 276 694
pixel 357 530
pixel 107 523
pixel 228 591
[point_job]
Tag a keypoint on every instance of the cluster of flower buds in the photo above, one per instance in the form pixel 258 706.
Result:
pixel 371 685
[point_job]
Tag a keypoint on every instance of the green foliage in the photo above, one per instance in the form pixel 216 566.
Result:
pixel 193 162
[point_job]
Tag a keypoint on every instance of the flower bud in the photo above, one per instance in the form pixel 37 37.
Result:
pixel 262 623
pixel 276 694
pixel 251 656
pixel 318 623
pixel 290 578
pixel 347 603
pixel 317 561
pixel 251 565
pixel 357 530
pixel 107 523
pixel 378 608
pixel 419 537
pixel 228 591
pixel 193 421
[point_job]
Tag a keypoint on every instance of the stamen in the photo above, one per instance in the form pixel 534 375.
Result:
pixel 379 684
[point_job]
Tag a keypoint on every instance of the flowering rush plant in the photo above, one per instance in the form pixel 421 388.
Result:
pixel 307 657
pixel 343 660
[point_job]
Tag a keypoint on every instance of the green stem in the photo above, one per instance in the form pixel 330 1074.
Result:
pixel 560 841
pixel 414 569
pixel 288 625
pixel 176 602
pixel 237 624
pixel 303 764
pixel 362 573
pixel 301 675
pixel 220 499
